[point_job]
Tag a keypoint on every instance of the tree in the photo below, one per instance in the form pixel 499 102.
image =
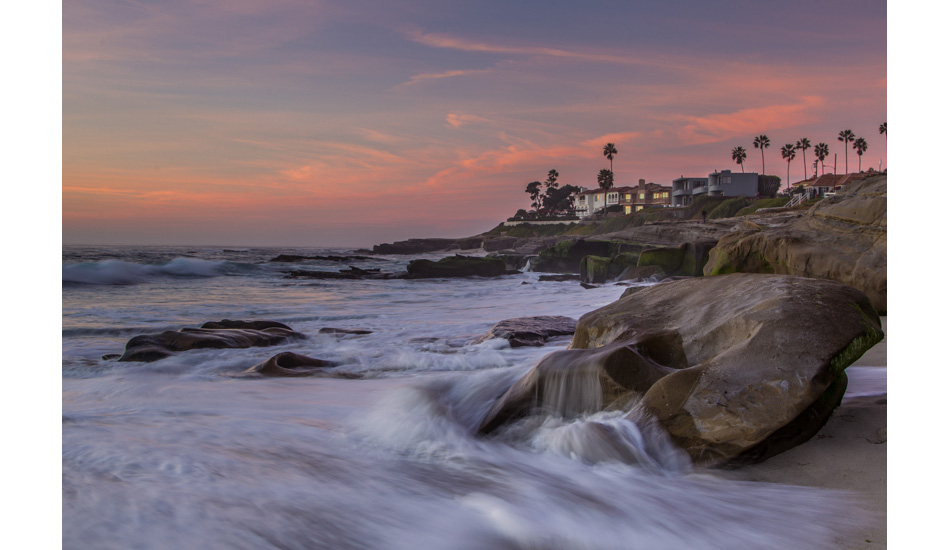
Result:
pixel 821 152
pixel 738 155
pixel 804 144
pixel 762 142
pixel 860 146
pixel 882 129
pixel 534 191
pixel 551 182
pixel 846 136
pixel 788 153
pixel 561 199
pixel 609 151
pixel 605 179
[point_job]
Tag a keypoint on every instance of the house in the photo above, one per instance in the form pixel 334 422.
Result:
pixel 717 184
pixel 631 199
pixel 645 195
pixel 817 187
pixel 589 202
pixel 682 194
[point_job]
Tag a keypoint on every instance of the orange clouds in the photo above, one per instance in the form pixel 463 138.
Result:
pixel 718 127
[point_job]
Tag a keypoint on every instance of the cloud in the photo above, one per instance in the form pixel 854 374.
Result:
pixel 615 138
pixel 718 127
pixel 416 79
pixel 456 120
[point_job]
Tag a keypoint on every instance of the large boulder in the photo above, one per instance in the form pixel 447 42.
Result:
pixel 842 238
pixel 152 347
pixel 530 331
pixel 457 266
pixel 736 368
pixel 598 269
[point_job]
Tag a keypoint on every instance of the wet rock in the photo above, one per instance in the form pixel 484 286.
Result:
pixel 530 331
pixel 290 364
pixel 559 278
pixel 295 258
pixel 736 367
pixel 642 273
pixel 152 347
pixel 457 266
pixel 354 273
pixel 685 259
pixel 255 324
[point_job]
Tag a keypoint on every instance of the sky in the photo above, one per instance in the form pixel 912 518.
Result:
pixel 350 123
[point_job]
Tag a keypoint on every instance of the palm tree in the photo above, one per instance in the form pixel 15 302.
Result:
pixel 738 155
pixel 788 153
pixel 821 151
pixel 804 144
pixel 860 146
pixel 762 142
pixel 605 179
pixel 609 151
pixel 882 129
pixel 846 136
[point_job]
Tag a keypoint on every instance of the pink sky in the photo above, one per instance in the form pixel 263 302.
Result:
pixel 354 123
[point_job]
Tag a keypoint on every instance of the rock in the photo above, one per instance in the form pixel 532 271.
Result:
pixel 685 259
pixel 529 331
pixel 331 330
pixel 152 347
pixel 350 273
pixel 494 244
pixel 642 273
pixel 287 258
pixel 598 269
pixel 514 262
pixel 457 266
pixel 736 367
pixel 559 278
pixel 256 324
pixel 566 256
pixel 843 239
pixel 111 356
pixel 469 243
pixel 415 246
pixel 290 364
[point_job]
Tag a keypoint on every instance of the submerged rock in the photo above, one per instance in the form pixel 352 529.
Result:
pixel 415 246
pixel 530 331
pixel 256 324
pixel 736 368
pixel 332 330
pixel 152 347
pixel 289 363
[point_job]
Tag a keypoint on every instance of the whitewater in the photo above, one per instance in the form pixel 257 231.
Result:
pixel 382 452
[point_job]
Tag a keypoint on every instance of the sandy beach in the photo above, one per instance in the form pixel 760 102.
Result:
pixel 850 451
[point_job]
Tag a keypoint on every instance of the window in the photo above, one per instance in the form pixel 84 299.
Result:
pixel 641 196
pixel 727 179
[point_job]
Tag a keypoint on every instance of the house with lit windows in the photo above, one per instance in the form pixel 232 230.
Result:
pixel 718 184
pixel 630 199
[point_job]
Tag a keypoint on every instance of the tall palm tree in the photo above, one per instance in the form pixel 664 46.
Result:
pixel 882 129
pixel 605 179
pixel 609 151
pixel 804 144
pixel 821 152
pixel 762 142
pixel 846 136
pixel 860 146
pixel 738 155
pixel 788 153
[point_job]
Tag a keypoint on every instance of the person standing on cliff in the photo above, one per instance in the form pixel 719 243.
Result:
pixel 704 216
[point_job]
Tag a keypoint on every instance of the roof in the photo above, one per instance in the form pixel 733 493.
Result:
pixel 832 180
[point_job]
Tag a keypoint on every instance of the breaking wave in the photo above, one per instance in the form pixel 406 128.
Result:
pixel 118 272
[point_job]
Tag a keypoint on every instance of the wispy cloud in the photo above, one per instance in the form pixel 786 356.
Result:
pixel 718 127
pixel 416 79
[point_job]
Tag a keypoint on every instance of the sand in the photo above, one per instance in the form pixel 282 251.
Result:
pixel 850 451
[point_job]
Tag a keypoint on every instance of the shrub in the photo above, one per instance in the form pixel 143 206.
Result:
pixel 728 208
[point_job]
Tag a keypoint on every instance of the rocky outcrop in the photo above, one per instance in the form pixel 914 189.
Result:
pixel 255 324
pixel 566 256
pixel 686 259
pixel 842 238
pixel 599 269
pixel 349 273
pixel 288 258
pixel 530 331
pixel 152 347
pixel 457 266
pixel 415 246
pixel 290 364
pixel 736 367
pixel 642 273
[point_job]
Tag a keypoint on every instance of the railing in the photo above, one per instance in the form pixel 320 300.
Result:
pixel 796 200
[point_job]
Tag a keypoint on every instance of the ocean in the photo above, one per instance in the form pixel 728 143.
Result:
pixel 381 453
